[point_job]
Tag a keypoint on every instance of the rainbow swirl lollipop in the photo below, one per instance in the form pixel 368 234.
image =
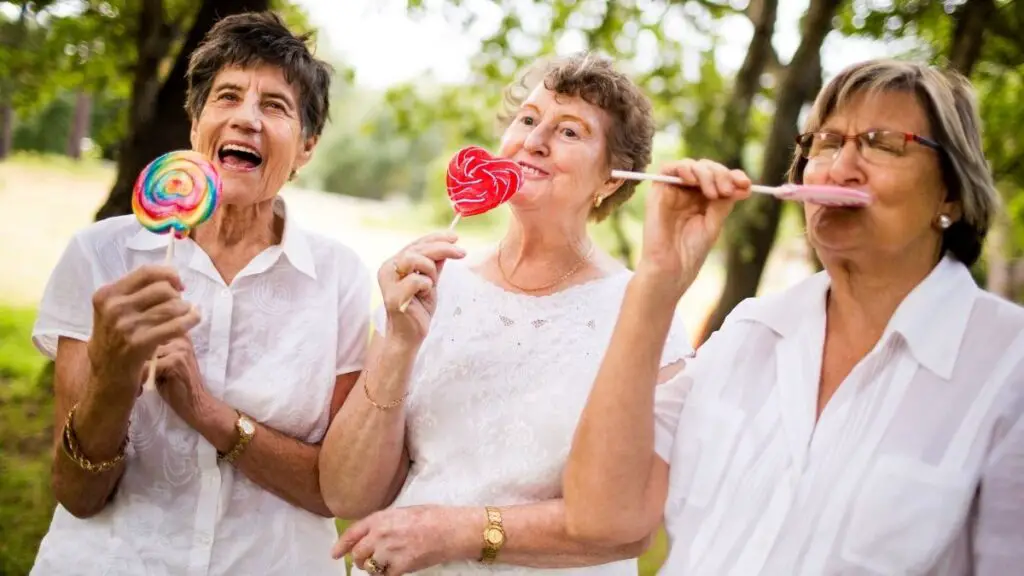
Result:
pixel 176 192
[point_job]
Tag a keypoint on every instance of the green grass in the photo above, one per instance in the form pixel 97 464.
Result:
pixel 26 412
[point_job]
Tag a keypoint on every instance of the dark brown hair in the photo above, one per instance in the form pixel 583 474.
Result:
pixel 261 38
pixel 948 101
pixel 593 78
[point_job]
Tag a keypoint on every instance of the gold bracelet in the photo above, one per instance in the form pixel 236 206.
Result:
pixel 382 407
pixel 71 449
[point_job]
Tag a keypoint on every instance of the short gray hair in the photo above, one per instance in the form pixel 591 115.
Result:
pixel 948 100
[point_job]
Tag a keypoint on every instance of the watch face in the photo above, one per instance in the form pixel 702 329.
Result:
pixel 494 536
pixel 247 426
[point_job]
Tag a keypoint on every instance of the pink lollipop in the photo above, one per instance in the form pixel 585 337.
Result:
pixel 478 182
pixel 834 196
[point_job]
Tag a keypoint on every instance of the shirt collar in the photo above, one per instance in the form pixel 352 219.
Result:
pixel 932 319
pixel 294 243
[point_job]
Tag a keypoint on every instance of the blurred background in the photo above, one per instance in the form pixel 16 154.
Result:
pixel 91 91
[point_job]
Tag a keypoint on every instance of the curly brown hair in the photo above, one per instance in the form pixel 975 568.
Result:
pixel 593 78
pixel 261 38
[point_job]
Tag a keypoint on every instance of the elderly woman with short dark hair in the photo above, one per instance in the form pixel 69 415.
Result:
pixel 466 411
pixel 259 329
pixel 870 419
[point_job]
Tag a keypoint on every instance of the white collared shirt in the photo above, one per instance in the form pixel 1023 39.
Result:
pixel 270 344
pixel 916 465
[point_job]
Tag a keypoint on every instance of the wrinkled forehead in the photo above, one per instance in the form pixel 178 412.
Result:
pixel 864 109
pixel 261 78
pixel 549 102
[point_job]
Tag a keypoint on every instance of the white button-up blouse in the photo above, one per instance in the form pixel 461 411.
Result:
pixel 270 344
pixel 915 466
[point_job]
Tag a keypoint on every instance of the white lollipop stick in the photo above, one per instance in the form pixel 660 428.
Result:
pixel 824 195
pixel 150 383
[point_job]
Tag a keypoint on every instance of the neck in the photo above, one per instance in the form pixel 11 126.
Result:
pixel 235 234
pixel 550 242
pixel 233 225
pixel 864 294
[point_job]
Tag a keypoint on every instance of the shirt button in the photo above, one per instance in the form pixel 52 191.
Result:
pixel 225 292
pixel 204 539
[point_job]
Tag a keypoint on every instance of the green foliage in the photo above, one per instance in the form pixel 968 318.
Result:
pixel 26 410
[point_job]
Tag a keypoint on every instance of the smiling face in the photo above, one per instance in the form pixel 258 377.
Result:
pixel 907 189
pixel 251 128
pixel 561 143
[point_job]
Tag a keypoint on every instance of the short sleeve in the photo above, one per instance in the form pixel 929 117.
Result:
pixel 677 345
pixel 354 321
pixel 66 306
pixel 670 397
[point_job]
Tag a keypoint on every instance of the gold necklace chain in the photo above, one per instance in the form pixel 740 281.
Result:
pixel 564 277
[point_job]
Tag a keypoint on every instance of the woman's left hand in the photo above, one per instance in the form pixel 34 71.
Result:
pixel 404 540
pixel 178 379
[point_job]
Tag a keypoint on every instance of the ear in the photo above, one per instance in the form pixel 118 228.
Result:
pixel 306 153
pixel 611 185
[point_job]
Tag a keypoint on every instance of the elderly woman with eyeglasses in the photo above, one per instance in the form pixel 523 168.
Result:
pixel 867 420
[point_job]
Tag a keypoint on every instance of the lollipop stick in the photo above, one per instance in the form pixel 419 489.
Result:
pixel 151 378
pixel 757 188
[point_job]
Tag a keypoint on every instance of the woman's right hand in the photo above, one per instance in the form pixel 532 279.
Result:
pixel 408 284
pixel 131 318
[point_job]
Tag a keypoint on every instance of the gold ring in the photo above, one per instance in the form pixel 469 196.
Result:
pixel 372 567
pixel 398 271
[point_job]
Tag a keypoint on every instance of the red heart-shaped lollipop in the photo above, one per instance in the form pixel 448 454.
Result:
pixel 478 182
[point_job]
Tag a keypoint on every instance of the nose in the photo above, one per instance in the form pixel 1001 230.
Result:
pixel 246 116
pixel 537 141
pixel 845 169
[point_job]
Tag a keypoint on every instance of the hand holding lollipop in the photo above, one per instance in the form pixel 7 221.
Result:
pixel 173 194
pixel 478 183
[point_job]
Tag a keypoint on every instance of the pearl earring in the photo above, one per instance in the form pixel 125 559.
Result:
pixel 597 201
pixel 945 221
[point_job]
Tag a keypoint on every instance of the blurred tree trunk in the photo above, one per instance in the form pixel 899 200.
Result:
pixel 751 229
pixel 968 32
pixel 6 129
pixel 748 82
pixel 158 122
pixel 79 124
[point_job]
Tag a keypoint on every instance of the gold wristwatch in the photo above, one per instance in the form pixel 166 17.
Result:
pixel 246 430
pixel 494 536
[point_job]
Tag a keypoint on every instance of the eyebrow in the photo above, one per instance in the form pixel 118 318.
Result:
pixel 270 93
pixel 581 121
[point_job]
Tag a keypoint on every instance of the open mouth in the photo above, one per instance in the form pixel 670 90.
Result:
pixel 239 157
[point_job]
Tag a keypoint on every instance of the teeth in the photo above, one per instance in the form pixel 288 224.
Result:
pixel 240 148
pixel 530 170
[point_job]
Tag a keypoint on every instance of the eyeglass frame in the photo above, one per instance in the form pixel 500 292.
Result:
pixel 907 138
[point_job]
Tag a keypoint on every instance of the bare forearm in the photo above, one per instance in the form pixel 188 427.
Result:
pixel 536 537
pixel 364 451
pixel 278 463
pixel 100 425
pixel 606 478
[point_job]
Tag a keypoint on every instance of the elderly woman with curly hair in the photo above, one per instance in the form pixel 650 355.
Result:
pixel 465 414
pixel 259 329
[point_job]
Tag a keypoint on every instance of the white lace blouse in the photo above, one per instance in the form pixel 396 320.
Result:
pixel 497 391
pixel 270 344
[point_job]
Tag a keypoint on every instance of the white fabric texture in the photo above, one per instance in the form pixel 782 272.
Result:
pixel 497 391
pixel 915 467
pixel 270 345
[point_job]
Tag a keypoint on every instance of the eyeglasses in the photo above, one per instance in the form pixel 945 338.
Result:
pixel 876 146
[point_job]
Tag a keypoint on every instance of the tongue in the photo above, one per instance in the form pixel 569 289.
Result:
pixel 237 162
